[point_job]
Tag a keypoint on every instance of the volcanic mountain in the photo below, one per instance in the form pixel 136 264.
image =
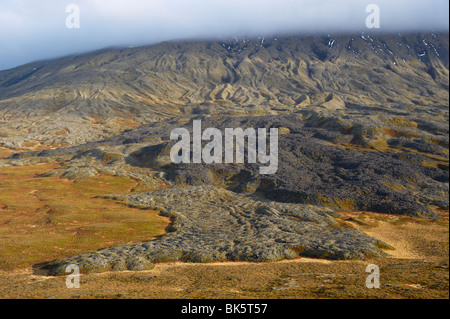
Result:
pixel 362 122
pixel 75 99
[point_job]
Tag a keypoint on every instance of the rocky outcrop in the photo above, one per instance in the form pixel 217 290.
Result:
pixel 212 224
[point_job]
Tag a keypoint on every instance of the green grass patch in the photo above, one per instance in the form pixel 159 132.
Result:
pixel 44 218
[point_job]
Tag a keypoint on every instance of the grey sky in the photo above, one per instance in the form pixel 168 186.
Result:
pixel 32 30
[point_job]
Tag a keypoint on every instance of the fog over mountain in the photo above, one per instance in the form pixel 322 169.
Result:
pixel 359 133
pixel 31 30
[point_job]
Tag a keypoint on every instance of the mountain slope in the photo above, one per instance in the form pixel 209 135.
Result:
pixel 362 122
pixel 81 98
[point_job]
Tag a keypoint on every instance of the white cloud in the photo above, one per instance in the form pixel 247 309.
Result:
pixel 31 30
